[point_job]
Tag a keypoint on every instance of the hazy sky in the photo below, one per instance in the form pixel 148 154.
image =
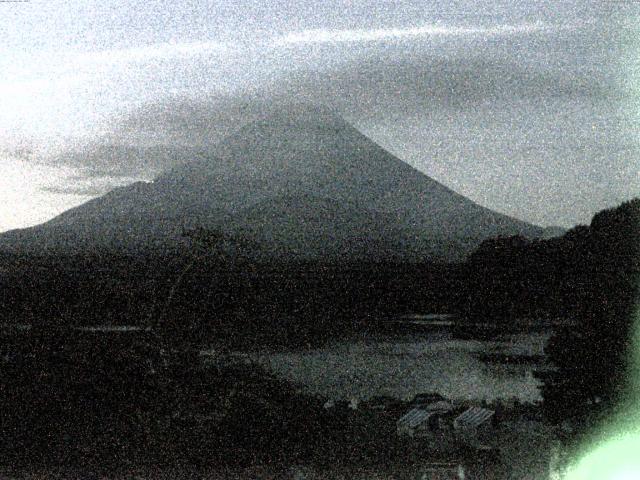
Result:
pixel 530 108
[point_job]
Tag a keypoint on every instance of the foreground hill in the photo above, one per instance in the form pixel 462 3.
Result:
pixel 304 186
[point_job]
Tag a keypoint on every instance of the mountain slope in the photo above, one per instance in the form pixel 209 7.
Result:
pixel 307 185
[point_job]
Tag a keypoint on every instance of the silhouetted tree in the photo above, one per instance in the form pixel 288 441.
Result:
pixel 592 356
pixel 496 279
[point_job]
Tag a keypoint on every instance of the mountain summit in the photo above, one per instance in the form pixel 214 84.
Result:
pixel 304 186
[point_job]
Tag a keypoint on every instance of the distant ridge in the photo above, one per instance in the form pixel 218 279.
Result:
pixel 305 185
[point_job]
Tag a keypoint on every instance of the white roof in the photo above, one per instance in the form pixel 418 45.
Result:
pixel 414 417
pixel 472 418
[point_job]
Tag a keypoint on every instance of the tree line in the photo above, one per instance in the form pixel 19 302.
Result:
pixel 588 278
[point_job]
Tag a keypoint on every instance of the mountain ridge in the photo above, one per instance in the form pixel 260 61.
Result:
pixel 366 201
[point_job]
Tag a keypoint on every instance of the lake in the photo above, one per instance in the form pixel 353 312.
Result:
pixel 405 364
pixel 424 359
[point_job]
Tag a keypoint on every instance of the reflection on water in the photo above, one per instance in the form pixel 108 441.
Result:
pixel 402 366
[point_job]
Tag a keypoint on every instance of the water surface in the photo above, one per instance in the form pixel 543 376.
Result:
pixel 404 365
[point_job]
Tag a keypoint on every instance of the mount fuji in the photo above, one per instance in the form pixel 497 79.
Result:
pixel 304 186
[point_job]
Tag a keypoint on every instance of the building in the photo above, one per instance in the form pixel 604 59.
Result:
pixel 413 423
pixel 474 425
pixel 430 420
pixel 443 423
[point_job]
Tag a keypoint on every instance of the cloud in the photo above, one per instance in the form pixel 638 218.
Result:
pixel 159 51
pixel 385 83
pixel 97 169
pixel 88 186
pixel 426 31
pixel 187 50
pixel 80 190
pixel 122 161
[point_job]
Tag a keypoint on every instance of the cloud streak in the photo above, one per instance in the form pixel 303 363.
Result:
pixel 161 51
pixel 185 50
pixel 426 31
pixel 89 187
